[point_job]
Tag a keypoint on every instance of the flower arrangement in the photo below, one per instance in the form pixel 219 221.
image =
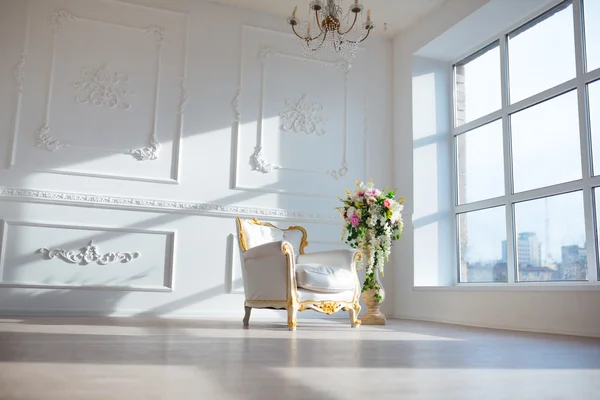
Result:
pixel 372 220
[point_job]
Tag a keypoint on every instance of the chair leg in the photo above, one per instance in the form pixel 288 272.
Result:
pixel 292 313
pixel 247 315
pixel 353 312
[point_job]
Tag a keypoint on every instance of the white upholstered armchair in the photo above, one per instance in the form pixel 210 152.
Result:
pixel 278 274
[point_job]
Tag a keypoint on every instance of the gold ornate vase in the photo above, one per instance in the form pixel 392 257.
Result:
pixel 373 316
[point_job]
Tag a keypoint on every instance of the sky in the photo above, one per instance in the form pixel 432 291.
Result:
pixel 545 138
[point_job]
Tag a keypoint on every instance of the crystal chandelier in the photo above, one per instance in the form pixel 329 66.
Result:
pixel 332 31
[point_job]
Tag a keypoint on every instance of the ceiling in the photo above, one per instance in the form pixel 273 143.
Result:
pixel 398 14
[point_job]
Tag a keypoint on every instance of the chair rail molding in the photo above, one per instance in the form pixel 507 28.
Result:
pixel 114 202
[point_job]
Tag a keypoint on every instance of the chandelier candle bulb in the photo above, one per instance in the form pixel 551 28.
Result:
pixel 369 15
pixel 294 12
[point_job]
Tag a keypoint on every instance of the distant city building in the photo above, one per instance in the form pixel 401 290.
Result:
pixel 536 274
pixel 529 250
pixel 531 267
pixel 573 264
pixel 500 272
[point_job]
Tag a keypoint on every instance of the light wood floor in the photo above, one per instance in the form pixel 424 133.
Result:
pixel 129 359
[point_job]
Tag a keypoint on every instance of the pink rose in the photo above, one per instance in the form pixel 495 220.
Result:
pixel 387 203
pixel 354 220
pixel 360 194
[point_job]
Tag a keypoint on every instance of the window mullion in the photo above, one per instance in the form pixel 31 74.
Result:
pixel 585 142
pixel 579 38
pixel 454 158
pixel 590 234
pixel 510 231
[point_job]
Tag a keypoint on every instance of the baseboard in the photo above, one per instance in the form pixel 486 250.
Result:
pixel 501 327
pixel 274 315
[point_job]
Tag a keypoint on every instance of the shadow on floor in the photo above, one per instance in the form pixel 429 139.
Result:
pixel 224 344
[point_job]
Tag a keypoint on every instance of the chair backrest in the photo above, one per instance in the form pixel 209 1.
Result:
pixel 252 232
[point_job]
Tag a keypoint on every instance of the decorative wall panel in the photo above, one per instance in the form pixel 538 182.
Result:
pixel 281 94
pixel 95 80
pixel 41 255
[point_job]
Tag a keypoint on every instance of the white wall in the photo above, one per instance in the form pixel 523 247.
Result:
pixel 417 138
pixel 432 190
pixel 189 75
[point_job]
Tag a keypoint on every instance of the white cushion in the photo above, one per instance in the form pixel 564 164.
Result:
pixel 324 278
pixel 311 295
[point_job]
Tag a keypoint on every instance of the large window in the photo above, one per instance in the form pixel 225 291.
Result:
pixel 527 151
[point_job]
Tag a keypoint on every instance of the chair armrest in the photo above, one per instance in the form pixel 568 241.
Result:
pixel 267 250
pixel 269 272
pixel 344 258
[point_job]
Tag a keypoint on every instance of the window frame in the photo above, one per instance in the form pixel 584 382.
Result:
pixel 586 184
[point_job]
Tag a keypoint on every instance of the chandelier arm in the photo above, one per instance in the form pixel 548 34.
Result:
pixel 321 44
pixel 366 36
pixel 296 33
pixel 362 40
pixel 307 38
pixel 349 29
pixel 316 37
pixel 318 23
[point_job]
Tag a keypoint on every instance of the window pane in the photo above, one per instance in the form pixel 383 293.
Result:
pixel 551 238
pixel 594 102
pixel 597 204
pixel 481 234
pixel 545 143
pixel 542 54
pixel 478 85
pixel 592 33
pixel 480 162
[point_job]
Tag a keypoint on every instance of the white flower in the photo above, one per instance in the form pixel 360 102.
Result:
pixel 397 206
pixel 371 200
pixel 361 188
pixel 371 222
pixel 358 213
pixel 350 212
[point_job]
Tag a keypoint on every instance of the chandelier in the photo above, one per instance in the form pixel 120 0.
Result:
pixel 331 31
